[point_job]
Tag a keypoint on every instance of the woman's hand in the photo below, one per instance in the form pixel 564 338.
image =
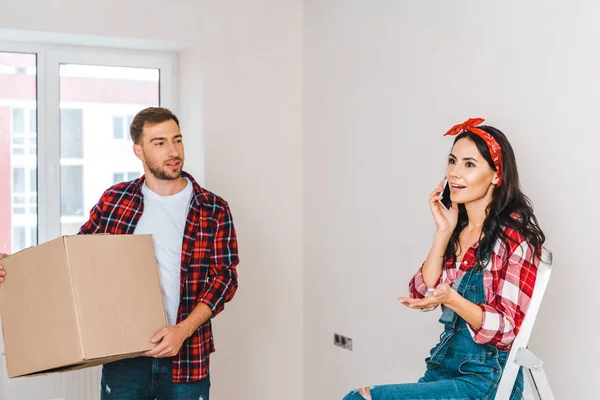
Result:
pixel 445 220
pixel 443 294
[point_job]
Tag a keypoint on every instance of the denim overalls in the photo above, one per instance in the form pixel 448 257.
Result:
pixel 458 367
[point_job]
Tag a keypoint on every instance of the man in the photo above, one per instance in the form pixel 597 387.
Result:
pixel 196 249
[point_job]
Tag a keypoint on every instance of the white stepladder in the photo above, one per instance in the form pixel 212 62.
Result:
pixel 520 355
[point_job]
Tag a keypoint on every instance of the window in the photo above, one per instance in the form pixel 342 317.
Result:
pixel 19 237
pixel 32 121
pixel 121 127
pixel 71 133
pixel 32 193
pixel 24 131
pixel 119 177
pixel 23 237
pixel 71 186
pixel 90 97
pixel 33 180
pixel 18 180
pixel 24 191
pixel 18 204
pixel 18 145
pixel 18 120
pixel 18 191
pixel 73 115
pixel 33 236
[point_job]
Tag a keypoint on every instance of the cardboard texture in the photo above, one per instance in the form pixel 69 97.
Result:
pixel 80 301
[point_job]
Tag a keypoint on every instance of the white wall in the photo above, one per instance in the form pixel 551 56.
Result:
pixel 240 102
pixel 383 80
pixel 253 147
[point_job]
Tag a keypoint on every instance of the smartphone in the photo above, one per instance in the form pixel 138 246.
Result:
pixel 445 201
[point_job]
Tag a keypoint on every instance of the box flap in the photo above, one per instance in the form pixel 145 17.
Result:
pixel 37 308
pixel 117 292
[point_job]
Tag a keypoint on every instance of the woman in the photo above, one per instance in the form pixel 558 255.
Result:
pixel 481 268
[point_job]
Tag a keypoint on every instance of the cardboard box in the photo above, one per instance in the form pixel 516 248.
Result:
pixel 79 301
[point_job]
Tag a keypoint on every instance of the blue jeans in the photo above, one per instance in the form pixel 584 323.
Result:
pixel 459 368
pixel 146 378
pixel 461 376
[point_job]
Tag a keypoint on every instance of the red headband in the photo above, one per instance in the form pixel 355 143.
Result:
pixel 493 146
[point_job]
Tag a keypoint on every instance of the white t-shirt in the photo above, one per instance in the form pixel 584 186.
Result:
pixel 164 217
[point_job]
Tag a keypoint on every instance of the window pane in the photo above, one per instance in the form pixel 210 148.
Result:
pixel 127 126
pixel 106 99
pixel 71 186
pixel 19 237
pixel 18 120
pixel 18 210
pixel 33 180
pixel 18 180
pixel 71 133
pixel 33 145
pixel 119 177
pixel 18 105
pixel 117 127
pixel 18 199
pixel 70 228
pixel 33 122
pixel 34 239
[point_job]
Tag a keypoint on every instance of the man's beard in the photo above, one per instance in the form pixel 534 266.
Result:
pixel 161 173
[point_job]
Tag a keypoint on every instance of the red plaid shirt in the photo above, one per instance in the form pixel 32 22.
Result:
pixel 208 260
pixel 508 288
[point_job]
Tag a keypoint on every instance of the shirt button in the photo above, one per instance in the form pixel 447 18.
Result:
pixel 464 262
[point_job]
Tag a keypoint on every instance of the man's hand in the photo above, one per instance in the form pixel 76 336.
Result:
pixel 172 337
pixel 443 294
pixel 169 339
pixel 2 271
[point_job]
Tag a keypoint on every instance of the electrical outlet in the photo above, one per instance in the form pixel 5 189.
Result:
pixel 342 341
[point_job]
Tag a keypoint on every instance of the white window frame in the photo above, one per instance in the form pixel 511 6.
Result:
pixel 49 59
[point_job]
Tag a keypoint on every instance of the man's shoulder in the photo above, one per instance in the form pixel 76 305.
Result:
pixel 209 199
pixel 205 197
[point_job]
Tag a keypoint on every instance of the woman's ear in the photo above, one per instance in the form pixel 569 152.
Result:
pixel 496 179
